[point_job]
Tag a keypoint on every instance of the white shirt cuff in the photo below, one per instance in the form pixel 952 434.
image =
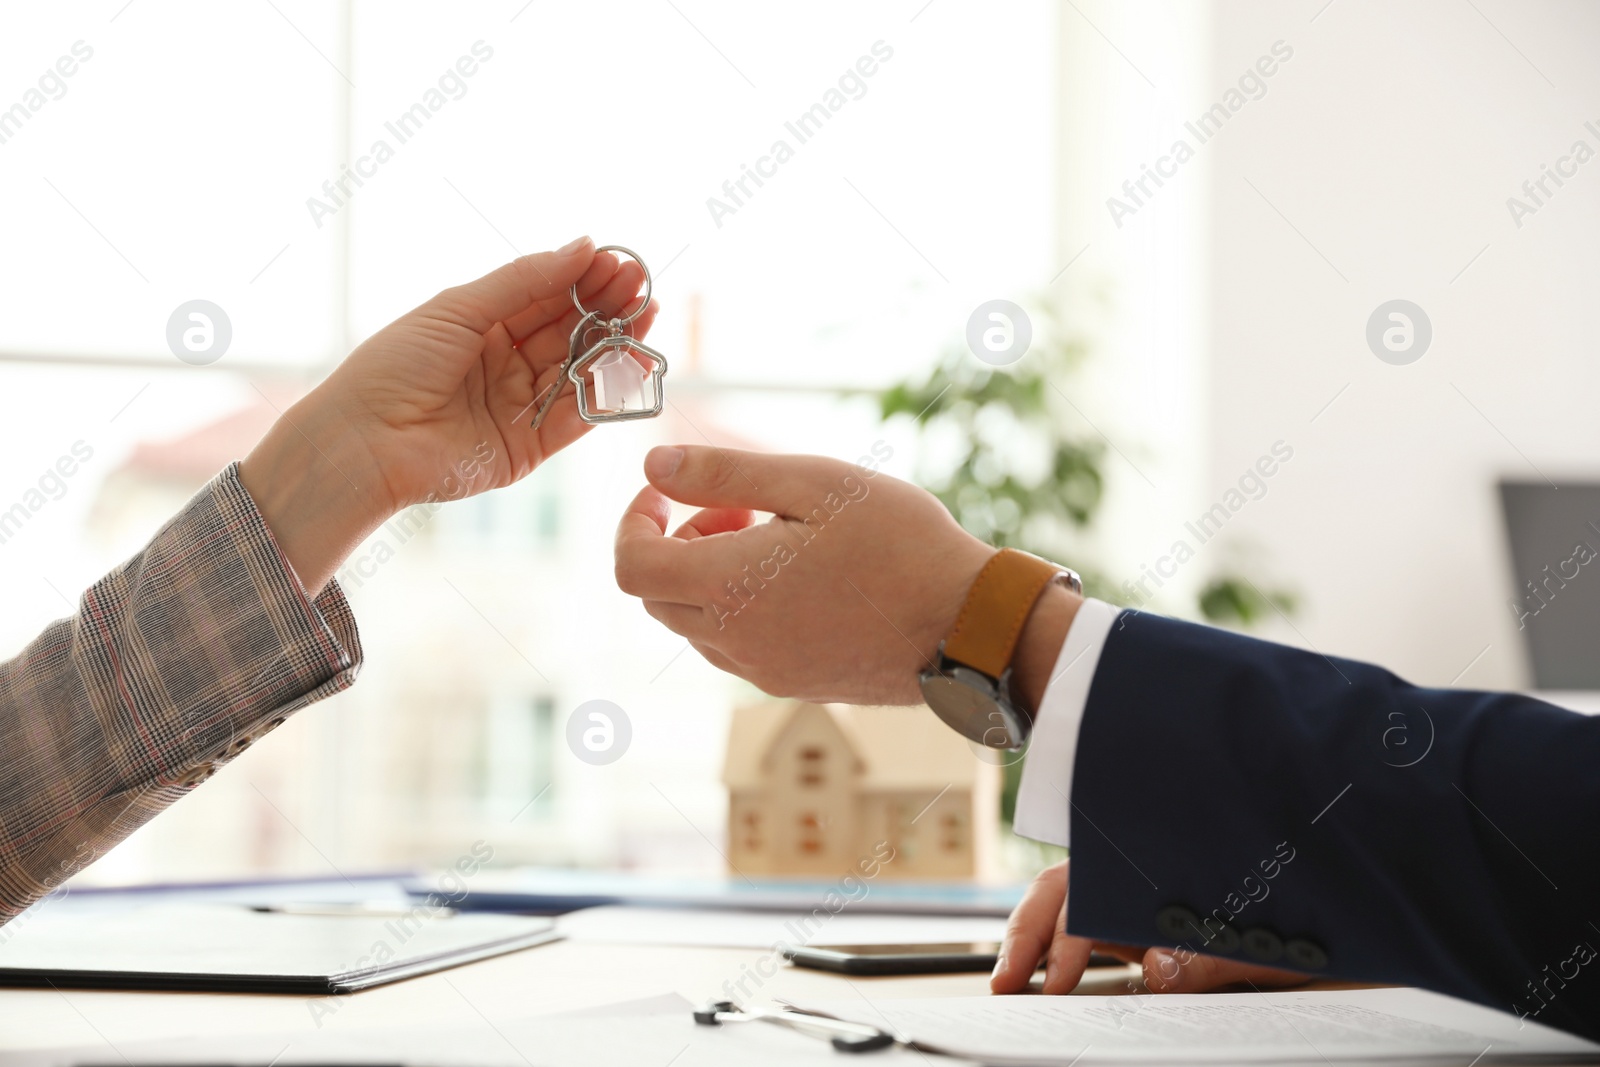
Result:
pixel 1044 796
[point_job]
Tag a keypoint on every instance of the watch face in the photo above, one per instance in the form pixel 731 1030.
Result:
pixel 966 701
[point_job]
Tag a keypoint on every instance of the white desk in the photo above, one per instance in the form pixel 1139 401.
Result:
pixel 563 976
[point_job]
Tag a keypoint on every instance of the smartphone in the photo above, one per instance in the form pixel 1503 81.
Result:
pixel 948 958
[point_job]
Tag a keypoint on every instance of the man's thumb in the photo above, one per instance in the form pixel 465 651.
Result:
pixel 710 477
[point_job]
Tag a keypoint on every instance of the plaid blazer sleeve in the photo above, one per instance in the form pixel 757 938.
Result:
pixel 175 662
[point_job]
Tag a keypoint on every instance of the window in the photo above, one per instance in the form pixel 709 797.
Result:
pixel 517 758
pixel 810 834
pixel 488 621
pixel 547 518
pixel 951 838
pixel 811 759
pixel 544 752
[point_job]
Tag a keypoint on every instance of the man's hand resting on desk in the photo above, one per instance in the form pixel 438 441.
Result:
pixel 1038 932
pixel 438 403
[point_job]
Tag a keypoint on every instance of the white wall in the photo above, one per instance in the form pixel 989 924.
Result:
pixel 1127 71
pixel 1391 141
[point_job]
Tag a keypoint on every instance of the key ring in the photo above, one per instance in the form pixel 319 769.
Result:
pixel 648 284
pixel 618 378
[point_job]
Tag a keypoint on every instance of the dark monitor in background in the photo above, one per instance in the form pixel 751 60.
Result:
pixel 1555 571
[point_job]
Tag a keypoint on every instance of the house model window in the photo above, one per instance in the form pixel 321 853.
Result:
pixel 811 758
pixel 814 789
pixel 810 834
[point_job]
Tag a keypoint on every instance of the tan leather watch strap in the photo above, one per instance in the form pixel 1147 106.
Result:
pixel 997 606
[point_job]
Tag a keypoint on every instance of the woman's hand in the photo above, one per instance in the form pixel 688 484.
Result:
pixel 1038 931
pixel 435 405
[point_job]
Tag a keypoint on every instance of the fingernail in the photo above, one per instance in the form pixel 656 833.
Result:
pixel 572 246
pixel 662 462
pixel 999 965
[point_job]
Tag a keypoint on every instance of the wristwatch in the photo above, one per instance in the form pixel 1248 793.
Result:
pixel 970 688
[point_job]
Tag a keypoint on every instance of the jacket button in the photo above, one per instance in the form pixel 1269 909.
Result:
pixel 1305 955
pixel 1262 944
pixel 1177 923
pixel 1224 938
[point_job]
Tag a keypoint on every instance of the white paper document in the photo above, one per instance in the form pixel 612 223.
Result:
pixel 649 1033
pixel 1370 1025
pixel 1379 1027
pixel 748 929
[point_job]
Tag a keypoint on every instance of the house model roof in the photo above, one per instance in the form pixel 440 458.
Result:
pixel 895 748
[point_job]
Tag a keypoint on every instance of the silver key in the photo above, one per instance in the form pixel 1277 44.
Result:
pixel 577 340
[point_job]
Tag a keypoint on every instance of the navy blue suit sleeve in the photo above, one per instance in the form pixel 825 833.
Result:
pixel 1242 798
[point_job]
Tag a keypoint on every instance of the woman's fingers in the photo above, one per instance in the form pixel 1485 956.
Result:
pixel 515 287
pixel 1170 971
pixel 618 295
pixel 622 291
pixel 530 319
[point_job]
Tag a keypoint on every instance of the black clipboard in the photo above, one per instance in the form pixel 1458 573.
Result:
pixel 212 948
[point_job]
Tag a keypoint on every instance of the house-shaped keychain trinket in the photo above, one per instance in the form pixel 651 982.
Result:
pixel 618 386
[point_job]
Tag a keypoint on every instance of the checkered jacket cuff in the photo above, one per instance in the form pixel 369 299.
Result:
pixel 175 662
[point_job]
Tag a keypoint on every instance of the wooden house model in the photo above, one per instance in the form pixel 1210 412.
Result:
pixel 815 789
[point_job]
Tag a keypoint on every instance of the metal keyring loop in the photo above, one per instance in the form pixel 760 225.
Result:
pixel 626 320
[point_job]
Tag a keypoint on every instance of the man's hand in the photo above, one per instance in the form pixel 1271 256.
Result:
pixel 1038 931
pixel 436 405
pixel 843 595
